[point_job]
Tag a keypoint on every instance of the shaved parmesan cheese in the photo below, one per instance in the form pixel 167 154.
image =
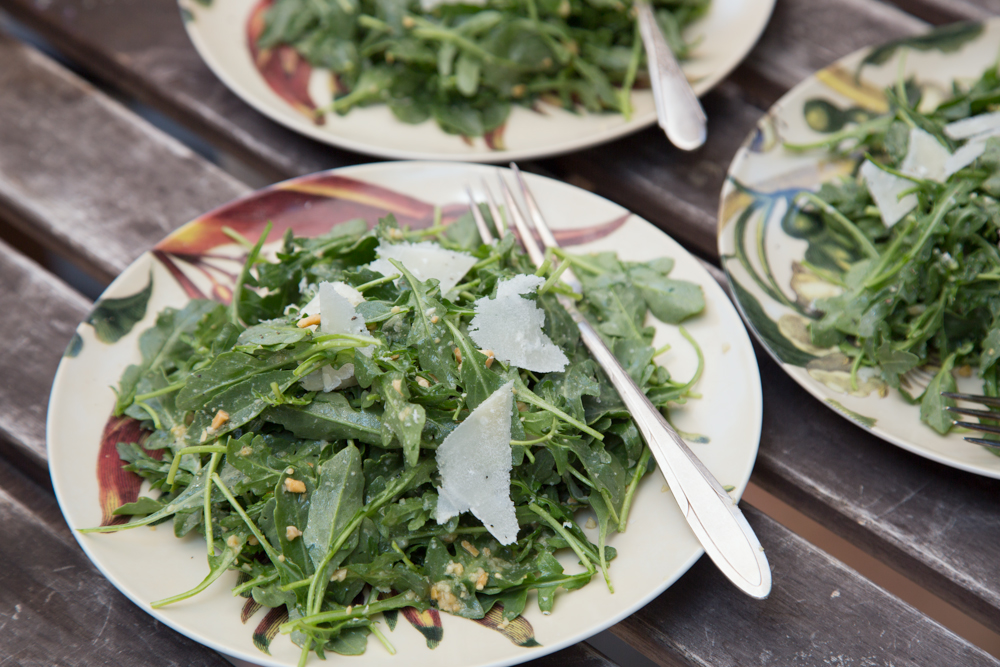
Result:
pixel 475 464
pixel 337 316
pixel 348 292
pixel 424 260
pixel 329 378
pixel 925 157
pixel 343 289
pixel 964 156
pixel 311 308
pixel 885 189
pixel 974 125
pixel 511 326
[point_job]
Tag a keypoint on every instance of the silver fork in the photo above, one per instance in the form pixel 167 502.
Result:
pixel 981 414
pixel 713 516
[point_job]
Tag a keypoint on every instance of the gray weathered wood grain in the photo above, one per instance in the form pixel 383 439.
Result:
pixel 937 525
pixel 675 190
pixel 72 157
pixel 41 315
pixel 132 44
pixel 819 613
pixel 57 609
pixel 946 11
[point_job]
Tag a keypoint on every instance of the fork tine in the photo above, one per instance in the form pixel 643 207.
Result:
pixel 985 414
pixel 494 211
pixel 548 240
pixel 477 215
pixel 527 238
pixel 985 400
pixel 994 444
pixel 985 428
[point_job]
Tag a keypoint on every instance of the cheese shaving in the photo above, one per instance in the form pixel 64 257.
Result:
pixel 925 157
pixel 974 125
pixel 511 326
pixel 337 316
pixel 886 189
pixel 475 464
pixel 424 260
pixel 964 156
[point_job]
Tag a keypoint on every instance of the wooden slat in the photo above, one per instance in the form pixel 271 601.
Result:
pixel 578 655
pixel 55 607
pixel 42 313
pixel 937 525
pixel 676 191
pixel 85 159
pixel 820 612
pixel 947 11
pixel 140 46
pixel 806 35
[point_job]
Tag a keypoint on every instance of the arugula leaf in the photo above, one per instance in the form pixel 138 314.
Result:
pixel 329 417
pixel 670 301
pixel 291 518
pixel 337 498
pixel 478 381
pixel 466 68
pixel 161 345
pixel 401 419
pixel 933 404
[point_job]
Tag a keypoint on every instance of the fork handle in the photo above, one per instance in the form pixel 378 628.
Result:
pixel 677 107
pixel 714 516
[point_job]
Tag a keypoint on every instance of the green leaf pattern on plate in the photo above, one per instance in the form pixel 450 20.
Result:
pixel 113 318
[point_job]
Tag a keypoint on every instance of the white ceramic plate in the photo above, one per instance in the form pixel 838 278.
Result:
pixel 149 564
pixel 219 32
pixel 769 176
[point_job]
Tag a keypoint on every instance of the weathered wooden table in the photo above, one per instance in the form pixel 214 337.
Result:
pixel 84 178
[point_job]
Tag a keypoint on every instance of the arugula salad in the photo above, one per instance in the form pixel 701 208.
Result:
pixel 342 441
pixel 465 64
pixel 917 228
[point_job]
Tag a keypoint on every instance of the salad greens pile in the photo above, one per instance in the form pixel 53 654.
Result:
pixel 923 292
pixel 464 64
pixel 325 501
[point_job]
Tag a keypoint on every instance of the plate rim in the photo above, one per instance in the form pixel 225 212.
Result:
pixel 753 394
pixel 295 124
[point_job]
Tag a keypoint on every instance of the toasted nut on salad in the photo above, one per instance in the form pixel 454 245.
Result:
pixel 220 418
pixel 294 485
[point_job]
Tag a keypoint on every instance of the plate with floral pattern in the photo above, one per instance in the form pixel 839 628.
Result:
pixel 200 260
pixel 764 238
pixel 282 86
